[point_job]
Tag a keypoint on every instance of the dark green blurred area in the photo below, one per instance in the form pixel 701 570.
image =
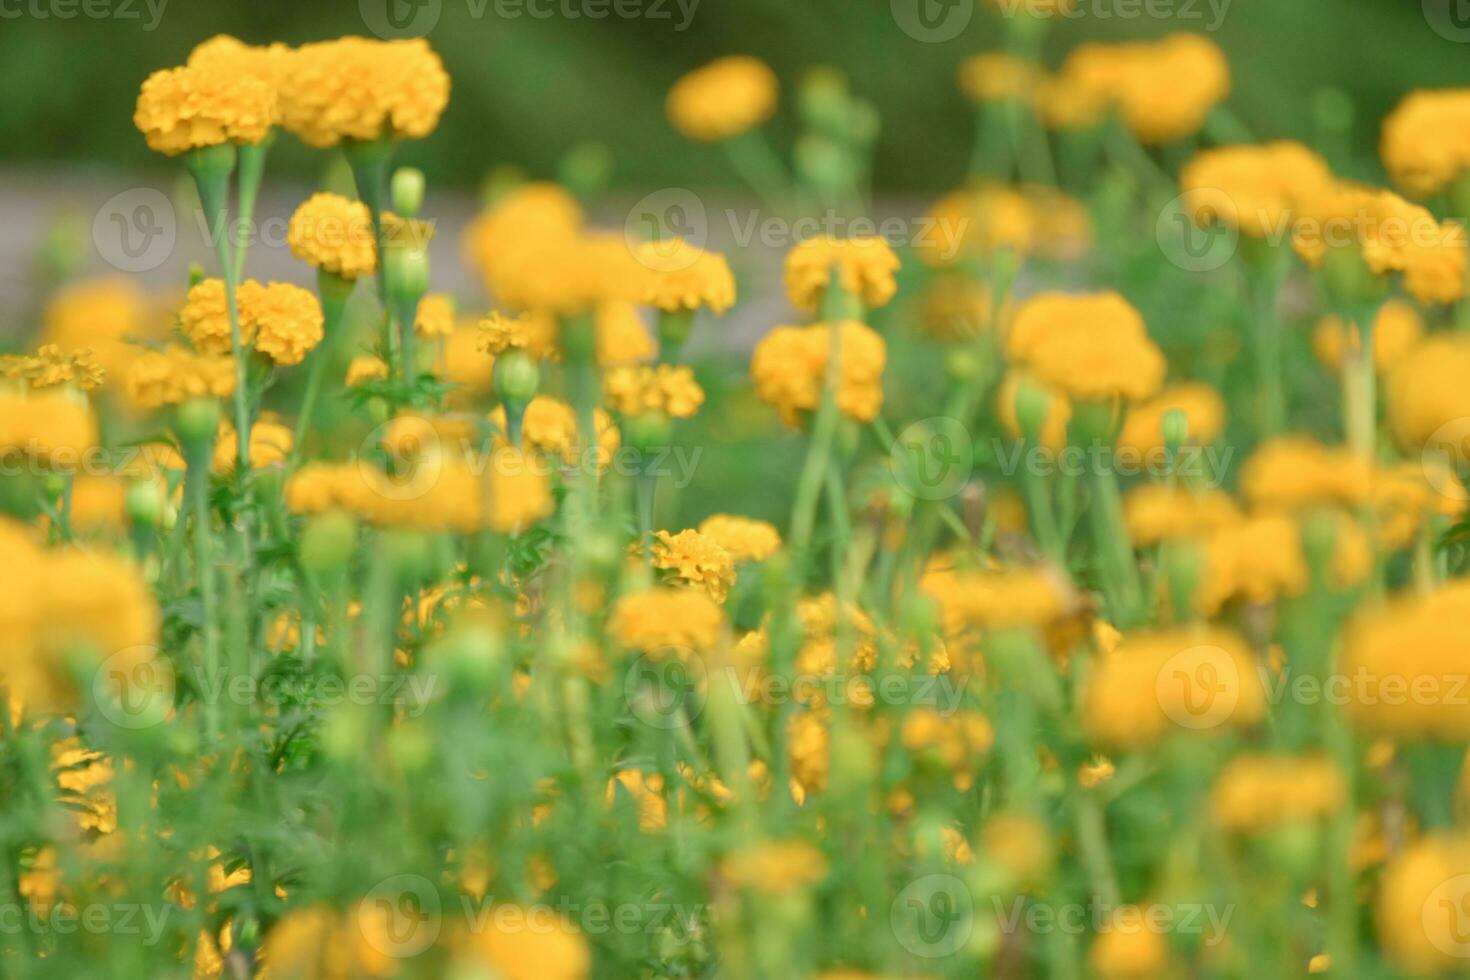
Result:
pixel 526 88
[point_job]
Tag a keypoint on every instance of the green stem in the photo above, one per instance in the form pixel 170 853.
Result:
pixel 252 167
pixel 755 160
pixel 199 457
pixel 1120 582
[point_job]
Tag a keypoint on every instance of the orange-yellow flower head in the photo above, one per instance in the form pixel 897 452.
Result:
pixel 789 366
pixel 1428 399
pixel 189 108
pixel 865 266
pixel 1255 189
pixel 1426 140
pixel 999 77
pixel 668 388
pixel 1397 330
pixel 281 321
pixel 723 99
pixel 1090 347
pixel 174 375
pixel 1162 90
pixel 667 622
pixel 1390 234
pixel 332 233
pixel 355 88
pixel 745 538
pixel 267 63
pixel 681 276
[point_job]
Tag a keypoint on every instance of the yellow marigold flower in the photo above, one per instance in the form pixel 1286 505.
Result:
pixel 533 333
pixel 268 63
pixel 319 941
pixel 1156 512
pixel 1262 560
pixel 550 426
pixel 1020 844
pixel 956 741
pixel 1406 493
pixel 99 502
pixel 723 99
pixel 789 366
pixel 1066 102
pixel 335 234
pixel 520 943
pixel 181 109
pixel 695 560
pixel 285 320
pixel 1406 663
pixel 745 538
pixel 355 88
pixel 1296 471
pixel 1129 948
pixel 48 426
pixel 464 363
pixel 998 599
pixel 568 275
pixel 1203 409
pixel 1256 792
pixel 525 218
pixel 866 266
pixel 955 308
pixel 1091 347
pixel 1427 397
pixel 1420 903
pixel 1162 90
pixel 1255 189
pixel 435 316
pixel 107 316
pixel 666 621
pixel 1424 146
pixel 1053 433
pixel 776 867
pixel 1397 330
pixel 270 444
pixel 52 367
pixel 364 368
pixel 1392 235
pixel 999 77
pixel 1169 681
pixel 634 389
pixel 681 276
pixel 622 337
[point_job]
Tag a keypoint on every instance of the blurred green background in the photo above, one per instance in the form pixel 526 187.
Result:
pixel 527 88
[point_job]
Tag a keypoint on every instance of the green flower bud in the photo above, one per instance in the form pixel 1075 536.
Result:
pixel 1176 429
pixel 408 270
pixel 408 191
pixel 196 421
pixel 517 378
pixel 144 503
pixel 964 364
pixel 648 430
pixel 1319 541
pixel 1033 405
pixel 328 541
pixel 212 162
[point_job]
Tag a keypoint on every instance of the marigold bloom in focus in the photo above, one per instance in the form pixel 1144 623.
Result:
pixel 865 265
pixel 789 367
pixel 188 108
pixel 356 88
pixel 332 233
pixel 280 320
pixel 723 99
pixel 693 559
